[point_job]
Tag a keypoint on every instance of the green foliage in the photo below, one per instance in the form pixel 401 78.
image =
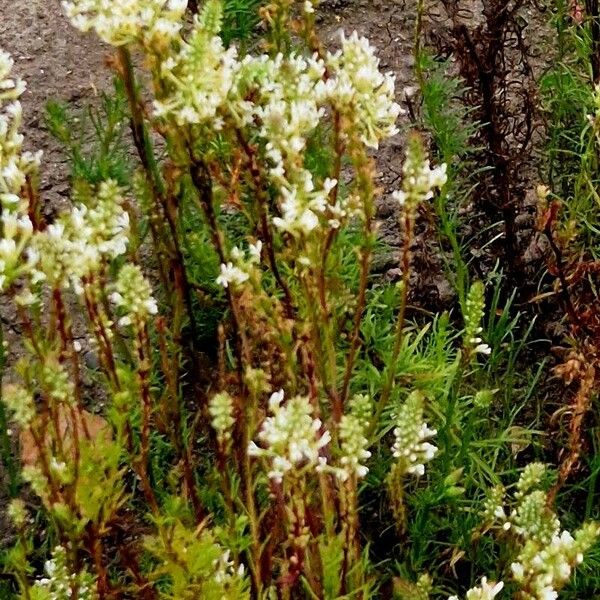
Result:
pixel 194 564
pixel 240 19
pixel 94 138
pixel 570 103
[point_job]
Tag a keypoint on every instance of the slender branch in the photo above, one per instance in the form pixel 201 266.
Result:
pixel 409 219
pixel 7 456
pixel 262 203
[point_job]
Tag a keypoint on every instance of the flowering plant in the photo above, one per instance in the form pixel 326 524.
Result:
pixel 235 470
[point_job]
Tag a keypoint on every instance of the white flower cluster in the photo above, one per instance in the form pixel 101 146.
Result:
pixel 225 569
pixel 361 92
pixel 546 555
pixel 59 583
pixel 543 569
pixel 300 206
pixel 412 447
pixel 283 98
pixel 15 167
pixel 291 437
pixel 19 402
pixel 420 180
pixel 200 76
pixel 290 96
pixel 485 591
pixel 220 408
pixel 238 270
pixel 82 240
pixel 152 22
pixel 133 295
pixel 288 103
pixel 353 441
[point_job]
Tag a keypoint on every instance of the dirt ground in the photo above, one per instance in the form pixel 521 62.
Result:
pixel 57 62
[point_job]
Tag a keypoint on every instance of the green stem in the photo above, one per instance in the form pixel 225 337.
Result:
pixel 409 221
pixel 140 131
pixel 8 459
pixel 417 44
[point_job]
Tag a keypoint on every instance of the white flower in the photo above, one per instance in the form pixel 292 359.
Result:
pixel 486 591
pixel 133 295
pixel 290 437
pixel 255 251
pixel 399 196
pixel 548 593
pixel 517 570
pixel 275 400
pixel 411 446
pixel 152 22
pixel 231 274
pixel 482 349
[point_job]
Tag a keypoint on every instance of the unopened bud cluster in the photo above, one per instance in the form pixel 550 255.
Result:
pixel 220 408
pixel 353 440
pixel 19 402
pixel 473 316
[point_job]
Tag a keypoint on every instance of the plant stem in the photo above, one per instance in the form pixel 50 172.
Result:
pixel 409 221
pixel 8 459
